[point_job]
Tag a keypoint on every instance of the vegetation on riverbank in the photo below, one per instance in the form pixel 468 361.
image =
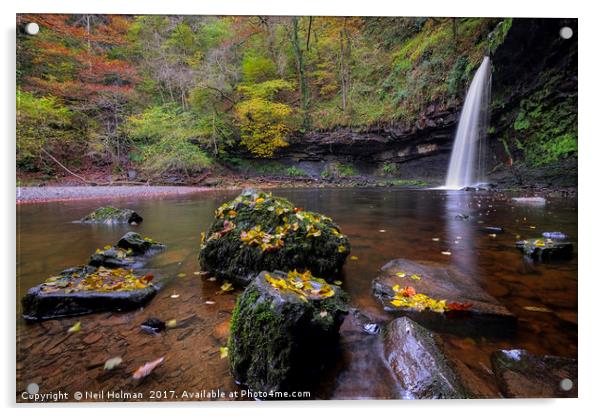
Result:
pixel 181 96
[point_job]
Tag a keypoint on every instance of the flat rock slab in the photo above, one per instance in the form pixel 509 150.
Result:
pixel 546 249
pixel 443 284
pixel 525 375
pixel 40 304
pixel 415 356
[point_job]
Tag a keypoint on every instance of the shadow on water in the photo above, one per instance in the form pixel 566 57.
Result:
pixel 382 224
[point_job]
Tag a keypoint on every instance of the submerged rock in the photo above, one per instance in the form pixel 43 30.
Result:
pixel 284 331
pixel 257 231
pixel 86 289
pixel 112 215
pixel 129 251
pixel 545 249
pixel 440 298
pixel 416 358
pixel 522 374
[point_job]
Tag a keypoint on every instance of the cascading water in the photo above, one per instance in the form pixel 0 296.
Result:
pixel 467 164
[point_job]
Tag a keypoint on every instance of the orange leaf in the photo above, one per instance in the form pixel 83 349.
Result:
pixel 456 306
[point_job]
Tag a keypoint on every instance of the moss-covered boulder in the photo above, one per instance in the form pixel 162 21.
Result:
pixel 112 215
pixel 130 251
pixel 257 231
pixel 86 289
pixel 284 331
pixel 545 249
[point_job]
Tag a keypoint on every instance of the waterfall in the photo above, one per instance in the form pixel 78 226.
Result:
pixel 467 164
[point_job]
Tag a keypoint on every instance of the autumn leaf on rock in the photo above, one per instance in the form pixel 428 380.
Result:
pixel 459 306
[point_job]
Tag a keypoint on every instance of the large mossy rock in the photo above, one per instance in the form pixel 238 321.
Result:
pixel 440 298
pixel 86 289
pixel 130 252
pixel 416 358
pixel 257 231
pixel 284 331
pixel 112 215
pixel 546 249
pixel 525 375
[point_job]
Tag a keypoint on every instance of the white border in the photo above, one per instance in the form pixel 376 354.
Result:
pixel 590 152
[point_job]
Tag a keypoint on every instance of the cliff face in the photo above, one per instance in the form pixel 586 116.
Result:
pixel 532 121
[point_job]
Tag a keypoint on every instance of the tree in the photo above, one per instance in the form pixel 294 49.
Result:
pixel 264 124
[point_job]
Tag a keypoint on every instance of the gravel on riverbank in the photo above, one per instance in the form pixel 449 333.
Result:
pixel 28 195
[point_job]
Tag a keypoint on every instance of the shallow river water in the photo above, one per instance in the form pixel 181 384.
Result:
pixel 382 225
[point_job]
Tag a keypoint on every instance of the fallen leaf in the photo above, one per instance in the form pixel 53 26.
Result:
pixel 226 287
pixel 382 231
pixel 338 282
pixel 353 257
pixel 174 296
pixel 171 323
pixel 212 279
pixel 209 302
pixel 147 368
pixel 223 352
pixel 196 273
pixel 435 238
pixel 400 274
pixel 111 363
pixel 75 328
pixel 323 314
pixel 181 274
pixel 459 306
pixel 536 309
pixel 446 253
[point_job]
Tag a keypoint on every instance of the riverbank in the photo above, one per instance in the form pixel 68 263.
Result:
pixel 68 192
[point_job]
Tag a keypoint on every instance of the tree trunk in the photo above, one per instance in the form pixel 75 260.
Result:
pixel 303 90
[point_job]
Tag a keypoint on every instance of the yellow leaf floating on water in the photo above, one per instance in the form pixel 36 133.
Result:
pixel 400 274
pixel 435 239
pixel 415 277
pixel 338 282
pixel 181 274
pixel 172 323
pixel 536 309
pixel 226 287
pixel 196 273
pixel 353 257
pixel 446 253
pixel 174 296
pixel 75 328
pixel 223 352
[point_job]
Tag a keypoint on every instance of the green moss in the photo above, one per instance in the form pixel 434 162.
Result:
pixel 544 126
pixel 279 342
pixel 338 170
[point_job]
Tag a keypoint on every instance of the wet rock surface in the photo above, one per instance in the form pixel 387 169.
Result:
pixel 416 358
pixel 112 215
pixel 522 374
pixel 40 303
pixel 467 307
pixel 130 251
pixel 257 231
pixel 280 341
pixel 546 249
